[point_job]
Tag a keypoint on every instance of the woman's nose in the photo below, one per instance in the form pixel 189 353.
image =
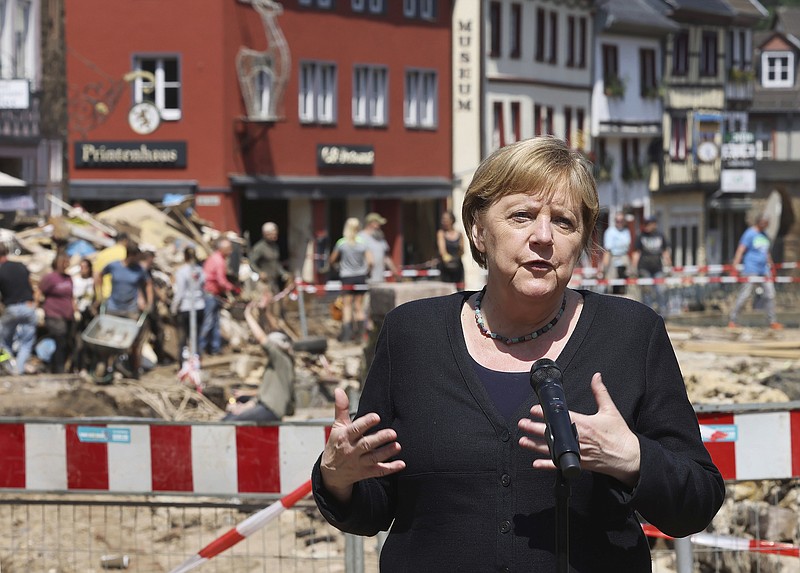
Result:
pixel 541 232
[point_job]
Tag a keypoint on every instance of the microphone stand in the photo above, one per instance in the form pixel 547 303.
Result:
pixel 562 492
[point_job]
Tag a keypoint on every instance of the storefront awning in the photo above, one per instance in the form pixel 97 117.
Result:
pixel 9 182
pixel 128 189
pixel 263 187
pixel 16 202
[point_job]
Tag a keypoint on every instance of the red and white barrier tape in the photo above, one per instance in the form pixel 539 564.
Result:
pixel 680 281
pixel 244 529
pixel 732 543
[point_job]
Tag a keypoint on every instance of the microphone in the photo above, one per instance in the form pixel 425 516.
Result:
pixel 562 437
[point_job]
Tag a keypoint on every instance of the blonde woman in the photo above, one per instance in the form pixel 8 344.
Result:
pixel 355 262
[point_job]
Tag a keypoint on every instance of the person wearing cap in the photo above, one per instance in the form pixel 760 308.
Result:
pixel 274 398
pixel 273 278
pixel 651 253
pixel 377 245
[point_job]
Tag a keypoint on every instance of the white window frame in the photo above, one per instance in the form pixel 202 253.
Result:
pixel 424 9
pixel 370 95
pixel 317 94
pixel 376 6
pixel 420 105
pixel 158 93
pixel 262 91
pixel 358 5
pixel 766 68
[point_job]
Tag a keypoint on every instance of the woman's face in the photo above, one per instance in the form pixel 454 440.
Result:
pixel 531 245
pixel 85 269
pixel 446 221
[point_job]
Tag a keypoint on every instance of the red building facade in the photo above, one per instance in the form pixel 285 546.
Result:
pixel 302 112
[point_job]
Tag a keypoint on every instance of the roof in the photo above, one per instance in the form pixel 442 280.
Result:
pixel 787 20
pixel 748 9
pixel 633 17
pixel 711 7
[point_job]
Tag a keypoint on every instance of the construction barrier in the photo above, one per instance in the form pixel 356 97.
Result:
pixel 140 457
pixel 125 457
pixel 732 543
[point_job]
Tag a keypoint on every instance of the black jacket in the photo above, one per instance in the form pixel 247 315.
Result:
pixel 469 500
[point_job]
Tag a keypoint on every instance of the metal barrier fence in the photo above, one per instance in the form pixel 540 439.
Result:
pixel 78 535
pixel 56 534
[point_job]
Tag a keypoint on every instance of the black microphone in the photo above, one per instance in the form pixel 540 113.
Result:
pixel 562 437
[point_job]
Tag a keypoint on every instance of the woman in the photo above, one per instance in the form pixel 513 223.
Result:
pixel 83 294
pixel 59 310
pixel 450 243
pixel 188 297
pixel 472 487
pixel 355 261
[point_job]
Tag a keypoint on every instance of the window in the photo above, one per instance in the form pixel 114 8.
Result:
pixel 23 39
pixel 677 143
pixel 680 54
pixel 165 93
pixel 374 6
pixel 570 41
pixel 421 97
pixel 262 86
pixel 317 92
pixel 553 38
pixel 582 37
pixel 708 54
pixel 580 117
pixel 540 28
pixel 777 69
pixel 548 121
pixel 612 84
pixel 325 4
pixel 537 120
pixel 515 122
pixel 498 133
pixel 516 30
pixel 424 9
pixel 568 125
pixel 648 87
pixel 494 30
pixel 370 95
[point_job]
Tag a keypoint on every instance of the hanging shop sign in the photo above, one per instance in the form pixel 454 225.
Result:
pixel 738 173
pixel 130 154
pixel 345 155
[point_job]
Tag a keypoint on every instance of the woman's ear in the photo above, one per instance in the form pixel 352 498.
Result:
pixel 476 232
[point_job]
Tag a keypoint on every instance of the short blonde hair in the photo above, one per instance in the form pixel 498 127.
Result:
pixel 351 228
pixel 541 165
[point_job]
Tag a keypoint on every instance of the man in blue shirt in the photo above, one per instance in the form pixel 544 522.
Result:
pixel 617 243
pixel 131 294
pixel 753 253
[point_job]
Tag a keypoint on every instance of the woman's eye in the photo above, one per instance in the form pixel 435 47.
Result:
pixel 564 223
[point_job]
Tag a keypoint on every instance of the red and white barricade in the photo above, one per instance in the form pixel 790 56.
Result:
pixel 142 458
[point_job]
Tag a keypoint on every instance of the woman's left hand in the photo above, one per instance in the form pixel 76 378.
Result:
pixel 607 445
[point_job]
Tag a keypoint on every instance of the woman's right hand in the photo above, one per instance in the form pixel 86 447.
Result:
pixel 351 456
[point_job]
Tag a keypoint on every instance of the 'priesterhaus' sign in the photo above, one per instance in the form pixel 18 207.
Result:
pixel 130 154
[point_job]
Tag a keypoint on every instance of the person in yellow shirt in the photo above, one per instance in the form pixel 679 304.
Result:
pixel 116 252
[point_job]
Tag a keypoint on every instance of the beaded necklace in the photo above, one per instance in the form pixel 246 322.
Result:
pixel 517 339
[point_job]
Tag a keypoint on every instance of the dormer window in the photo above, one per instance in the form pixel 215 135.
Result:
pixel 777 69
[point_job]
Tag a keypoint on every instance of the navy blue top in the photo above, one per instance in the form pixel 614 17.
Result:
pixel 506 389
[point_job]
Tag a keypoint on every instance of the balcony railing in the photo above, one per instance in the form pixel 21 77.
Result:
pixel 21 122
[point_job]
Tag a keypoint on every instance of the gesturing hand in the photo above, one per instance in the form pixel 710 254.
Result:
pixel 606 442
pixel 351 456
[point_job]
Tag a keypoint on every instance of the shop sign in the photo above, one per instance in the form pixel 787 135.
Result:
pixel 130 154
pixel 14 94
pixel 345 155
pixel 738 173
